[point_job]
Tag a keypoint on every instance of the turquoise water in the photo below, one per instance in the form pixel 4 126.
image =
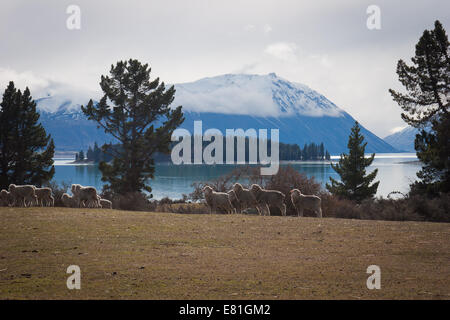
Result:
pixel 395 172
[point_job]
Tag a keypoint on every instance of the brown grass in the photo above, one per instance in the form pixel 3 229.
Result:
pixel 144 255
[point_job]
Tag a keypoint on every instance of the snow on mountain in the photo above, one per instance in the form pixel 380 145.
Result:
pixel 228 101
pixel 255 95
pixel 404 139
pixel 62 98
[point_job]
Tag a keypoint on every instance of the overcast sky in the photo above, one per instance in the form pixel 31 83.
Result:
pixel 325 45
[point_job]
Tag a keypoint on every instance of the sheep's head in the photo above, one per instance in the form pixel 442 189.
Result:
pixel 237 187
pixel 296 191
pixel 75 188
pixel 12 187
pixel 255 188
pixel 207 189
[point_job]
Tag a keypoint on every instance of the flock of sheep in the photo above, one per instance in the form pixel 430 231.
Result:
pixel 234 201
pixel 28 195
pixel 239 198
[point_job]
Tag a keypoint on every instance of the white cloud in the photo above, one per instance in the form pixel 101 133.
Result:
pixel 397 129
pixel 267 28
pixel 22 80
pixel 286 51
pixel 249 27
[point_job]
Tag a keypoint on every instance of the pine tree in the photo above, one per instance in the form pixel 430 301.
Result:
pixel 321 151
pixel 27 151
pixel 354 184
pixel 81 155
pixel 90 154
pixel 97 154
pixel 426 106
pixel 136 112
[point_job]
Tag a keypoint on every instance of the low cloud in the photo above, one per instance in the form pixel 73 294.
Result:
pixel 286 51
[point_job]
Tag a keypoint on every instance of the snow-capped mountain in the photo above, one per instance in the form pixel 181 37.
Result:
pixel 255 95
pixel 404 139
pixel 228 102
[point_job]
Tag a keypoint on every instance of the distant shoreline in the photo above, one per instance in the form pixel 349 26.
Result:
pixel 411 162
pixel 82 162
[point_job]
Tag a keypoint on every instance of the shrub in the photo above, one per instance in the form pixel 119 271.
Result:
pixel 133 201
pixel 58 190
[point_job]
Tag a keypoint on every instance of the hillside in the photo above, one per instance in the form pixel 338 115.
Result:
pixel 141 255
pixel 226 102
pixel 403 140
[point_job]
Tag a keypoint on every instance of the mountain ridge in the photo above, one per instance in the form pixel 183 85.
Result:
pixel 224 102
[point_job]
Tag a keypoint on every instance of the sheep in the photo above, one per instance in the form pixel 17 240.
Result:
pixel 22 194
pixel 104 203
pixel 302 201
pixel 44 197
pixel 85 196
pixel 234 201
pixel 68 201
pixel 246 198
pixel 217 200
pixel 6 198
pixel 269 198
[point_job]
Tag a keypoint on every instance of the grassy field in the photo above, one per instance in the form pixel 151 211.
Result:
pixel 139 255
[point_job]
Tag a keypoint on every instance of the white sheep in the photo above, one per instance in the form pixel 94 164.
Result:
pixel 85 196
pixel 234 201
pixel 104 203
pixel 217 200
pixel 269 198
pixel 68 201
pixel 6 198
pixel 44 197
pixel 246 198
pixel 303 201
pixel 23 194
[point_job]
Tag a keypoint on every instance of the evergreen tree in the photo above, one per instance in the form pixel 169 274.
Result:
pixel 90 154
pixel 97 153
pixel 27 151
pixel 321 151
pixel 136 112
pixel 81 155
pixel 426 106
pixel 354 184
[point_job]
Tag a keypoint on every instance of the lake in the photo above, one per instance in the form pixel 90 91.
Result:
pixel 395 172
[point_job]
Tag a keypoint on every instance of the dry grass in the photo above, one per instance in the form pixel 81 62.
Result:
pixel 181 256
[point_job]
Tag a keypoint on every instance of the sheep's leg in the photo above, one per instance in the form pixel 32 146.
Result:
pixel 283 209
pixel 319 213
pixel 268 209
pixel 300 212
pixel 296 210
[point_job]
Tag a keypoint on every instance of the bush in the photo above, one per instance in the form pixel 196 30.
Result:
pixel 58 190
pixel 334 207
pixel 286 179
pixel 133 201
